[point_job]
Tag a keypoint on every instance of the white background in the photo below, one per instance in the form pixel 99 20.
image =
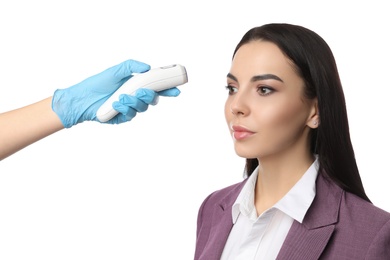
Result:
pixel 132 191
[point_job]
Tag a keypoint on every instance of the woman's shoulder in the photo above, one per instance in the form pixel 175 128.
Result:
pixel 364 227
pixel 228 191
pixel 348 205
pixel 226 195
pixel 363 210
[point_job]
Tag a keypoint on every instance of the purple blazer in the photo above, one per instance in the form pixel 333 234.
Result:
pixel 338 225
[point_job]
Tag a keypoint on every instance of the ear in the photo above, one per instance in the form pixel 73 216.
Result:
pixel 313 119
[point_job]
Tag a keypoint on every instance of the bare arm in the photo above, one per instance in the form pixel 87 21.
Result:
pixel 24 126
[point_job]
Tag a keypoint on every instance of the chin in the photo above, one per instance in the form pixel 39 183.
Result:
pixel 253 153
pixel 246 154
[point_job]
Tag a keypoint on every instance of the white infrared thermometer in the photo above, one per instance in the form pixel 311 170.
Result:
pixel 157 79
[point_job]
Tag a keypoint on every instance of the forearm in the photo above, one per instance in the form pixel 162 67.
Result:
pixel 24 126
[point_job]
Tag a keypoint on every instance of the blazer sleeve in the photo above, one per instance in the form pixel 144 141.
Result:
pixel 380 246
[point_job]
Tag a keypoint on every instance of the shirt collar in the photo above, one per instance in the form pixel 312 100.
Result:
pixel 295 203
pixel 245 200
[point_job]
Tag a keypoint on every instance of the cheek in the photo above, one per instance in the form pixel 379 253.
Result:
pixel 278 117
pixel 228 113
pixel 282 122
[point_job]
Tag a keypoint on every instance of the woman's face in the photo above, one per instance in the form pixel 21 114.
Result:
pixel 266 110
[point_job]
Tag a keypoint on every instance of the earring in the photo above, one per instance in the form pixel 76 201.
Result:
pixel 315 122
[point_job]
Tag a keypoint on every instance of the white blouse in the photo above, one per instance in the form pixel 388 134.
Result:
pixel 261 237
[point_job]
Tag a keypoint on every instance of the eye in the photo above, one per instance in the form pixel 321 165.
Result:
pixel 231 89
pixel 265 91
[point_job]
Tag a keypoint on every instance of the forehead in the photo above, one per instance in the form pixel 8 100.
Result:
pixel 261 57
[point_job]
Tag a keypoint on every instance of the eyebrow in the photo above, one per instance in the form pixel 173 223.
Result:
pixel 257 77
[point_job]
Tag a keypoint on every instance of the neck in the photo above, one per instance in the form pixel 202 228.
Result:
pixel 277 175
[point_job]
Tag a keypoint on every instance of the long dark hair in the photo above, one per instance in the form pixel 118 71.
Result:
pixel 315 63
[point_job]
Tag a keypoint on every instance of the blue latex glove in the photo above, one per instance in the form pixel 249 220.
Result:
pixel 80 102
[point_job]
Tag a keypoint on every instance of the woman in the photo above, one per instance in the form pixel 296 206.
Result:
pixel 303 198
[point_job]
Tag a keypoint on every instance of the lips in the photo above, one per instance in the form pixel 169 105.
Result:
pixel 241 133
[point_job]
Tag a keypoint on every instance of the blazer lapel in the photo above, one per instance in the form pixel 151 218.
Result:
pixel 221 226
pixel 302 243
pixel 308 240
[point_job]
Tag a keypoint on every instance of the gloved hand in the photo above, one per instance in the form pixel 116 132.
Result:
pixel 80 102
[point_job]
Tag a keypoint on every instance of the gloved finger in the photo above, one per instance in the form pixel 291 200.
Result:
pixel 172 92
pixel 126 68
pixel 135 66
pixel 134 102
pixel 120 118
pixel 125 110
pixel 149 96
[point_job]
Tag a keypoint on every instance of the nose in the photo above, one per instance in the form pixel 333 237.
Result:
pixel 238 105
